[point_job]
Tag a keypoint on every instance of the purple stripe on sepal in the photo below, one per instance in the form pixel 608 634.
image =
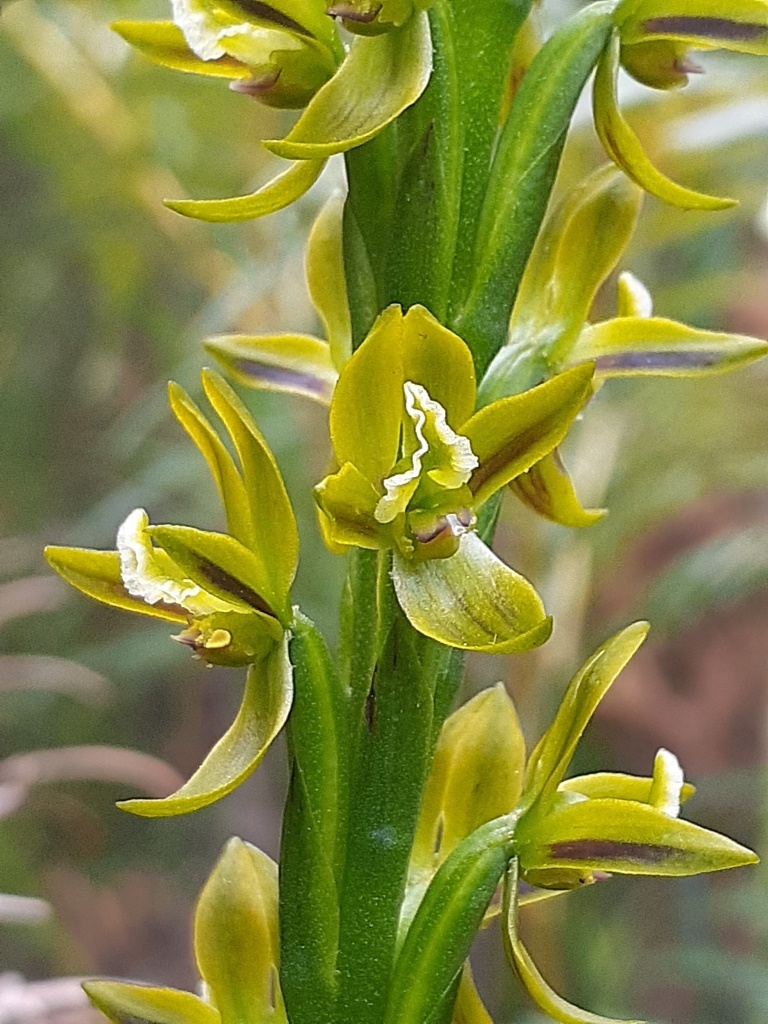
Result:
pixel 610 850
pixel 278 375
pixel 675 360
pixel 706 28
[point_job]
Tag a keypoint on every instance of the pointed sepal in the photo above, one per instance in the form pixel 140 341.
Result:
pixel 624 147
pixel 278 193
pixel 471 601
pixel 296 364
pixel 631 346
pixel 547 489
pixel 380 77
pixel 263 713
pixel 236 936
pixel 120 1001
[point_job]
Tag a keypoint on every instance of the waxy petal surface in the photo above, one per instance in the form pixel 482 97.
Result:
pixel 471 600
pixel 513 434
pixel 380 77
pixel 548 490
pixel 118 1000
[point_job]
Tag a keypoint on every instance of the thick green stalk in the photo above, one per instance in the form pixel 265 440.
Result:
pixel 391 770
pixel 523 175
pixel 429 172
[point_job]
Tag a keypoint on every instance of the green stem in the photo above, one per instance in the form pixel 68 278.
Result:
pixel 386 795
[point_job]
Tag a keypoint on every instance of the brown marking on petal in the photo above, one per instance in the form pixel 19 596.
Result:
pixel 266 13
pixel 224 581
pixel 348 12
pixel 255 86
pixel 708 28
pixel 511 451
pixel 609 849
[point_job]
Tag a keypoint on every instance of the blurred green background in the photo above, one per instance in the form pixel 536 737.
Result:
pixel 106 295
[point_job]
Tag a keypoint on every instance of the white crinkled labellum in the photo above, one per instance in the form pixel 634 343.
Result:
pixel 204 32
pixel 452 453
pixel 668 780
pixel 148 573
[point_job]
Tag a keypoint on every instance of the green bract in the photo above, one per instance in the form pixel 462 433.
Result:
pixel 415 464
pixel 298 363
pixel 230 592
pixel 236 949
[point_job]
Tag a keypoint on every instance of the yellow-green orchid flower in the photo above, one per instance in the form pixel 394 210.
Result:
pixel 415 465
pixel 582 829
pixel 549 328
pixel 228 592
pixel 567 832
pixel 288 53
pixel 309 366
pixel 651 40
pixel 236 950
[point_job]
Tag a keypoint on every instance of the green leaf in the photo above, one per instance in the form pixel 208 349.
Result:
pixel 118 1001
pixel 278 193
pixel 512 435
pixel 380 78
pixel 97 574
pixel 563 274
pixel 552 755
pixel 164 43
pixel 740 25
pixel 492 29
pixel 624 147
pixel 367 404
pixel 222 566
pixel 524 169
pixel 263 713
pixel 624 837
pixel 548 490
pixel 438 941
pixel 326 280
pixel 236 945
pixel 276 534
pixel 314 831
pixel 220 463
pixel 476 775
pixel 471 600
pixel 297 364
pixel 656 347
pixel 520 959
